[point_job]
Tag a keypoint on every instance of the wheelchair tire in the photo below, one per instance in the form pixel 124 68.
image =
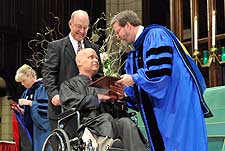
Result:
pixel 57 141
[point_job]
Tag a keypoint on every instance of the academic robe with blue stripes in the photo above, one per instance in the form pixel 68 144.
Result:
pixel 35 117
pixel 174 86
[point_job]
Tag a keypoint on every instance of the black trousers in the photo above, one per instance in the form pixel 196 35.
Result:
pixel 53 125
pixel 130 135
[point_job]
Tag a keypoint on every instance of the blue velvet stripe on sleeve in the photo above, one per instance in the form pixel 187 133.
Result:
pixel 159 62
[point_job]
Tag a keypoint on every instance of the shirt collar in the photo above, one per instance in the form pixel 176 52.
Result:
pixel 140 30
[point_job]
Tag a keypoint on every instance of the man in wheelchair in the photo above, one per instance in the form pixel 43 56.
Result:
pixel 104 119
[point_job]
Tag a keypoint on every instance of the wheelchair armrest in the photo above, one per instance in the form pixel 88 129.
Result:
pixel 67 114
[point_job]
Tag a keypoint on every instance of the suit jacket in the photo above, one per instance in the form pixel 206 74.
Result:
pixel 60 66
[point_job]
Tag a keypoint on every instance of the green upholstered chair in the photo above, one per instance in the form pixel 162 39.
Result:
pixel 215 98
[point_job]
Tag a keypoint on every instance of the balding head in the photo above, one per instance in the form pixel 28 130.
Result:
pixel 87 62
pixel 79 25
pixel 79 13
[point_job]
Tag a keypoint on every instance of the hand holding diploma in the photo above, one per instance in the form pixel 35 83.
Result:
pixel 113 94
pixel 16 107
pixel 117 90
pixel 125 80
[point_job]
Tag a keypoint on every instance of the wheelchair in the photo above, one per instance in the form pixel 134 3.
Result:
pixel 62 136
pixel 68 140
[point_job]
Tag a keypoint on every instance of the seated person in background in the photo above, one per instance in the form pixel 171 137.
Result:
pixel 35 106
pixel 93 103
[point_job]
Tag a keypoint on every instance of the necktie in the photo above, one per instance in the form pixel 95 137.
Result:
pixel 79 46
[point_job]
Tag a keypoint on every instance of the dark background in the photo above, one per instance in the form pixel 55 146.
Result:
pixel 20 20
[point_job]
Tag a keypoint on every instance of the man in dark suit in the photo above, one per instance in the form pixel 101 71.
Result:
pixel 59 62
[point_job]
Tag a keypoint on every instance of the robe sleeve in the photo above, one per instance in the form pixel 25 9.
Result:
pixel 39 108
pixel 156 73
pixel 74 94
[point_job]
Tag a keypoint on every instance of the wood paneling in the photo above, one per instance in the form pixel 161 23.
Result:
pixel 181 17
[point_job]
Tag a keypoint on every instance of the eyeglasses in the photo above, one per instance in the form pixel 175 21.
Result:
pixel 79 26
pixel 117 31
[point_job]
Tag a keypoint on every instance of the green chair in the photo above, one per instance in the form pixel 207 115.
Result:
pixel 215 98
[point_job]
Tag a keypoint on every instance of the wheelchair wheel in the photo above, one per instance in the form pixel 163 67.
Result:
pixel 57 141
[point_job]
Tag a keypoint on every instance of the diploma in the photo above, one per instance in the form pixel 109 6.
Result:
pixel 195 33
pixel 213 28
pixel 104 82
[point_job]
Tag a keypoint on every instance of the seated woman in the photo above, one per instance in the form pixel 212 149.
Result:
pixel 94 106
pixel 35 106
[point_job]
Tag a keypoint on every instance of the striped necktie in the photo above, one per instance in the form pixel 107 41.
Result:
pixel 79 46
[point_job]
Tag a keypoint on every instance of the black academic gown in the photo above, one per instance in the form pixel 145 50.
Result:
pixel 97 116
pixel 75 93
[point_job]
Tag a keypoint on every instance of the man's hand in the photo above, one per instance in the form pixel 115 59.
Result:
pixel 55 100
pixel 103 97
pixel 115 93
pixel 117 90
pixel 112 96
pixel 16 107
pixel 125 80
